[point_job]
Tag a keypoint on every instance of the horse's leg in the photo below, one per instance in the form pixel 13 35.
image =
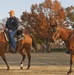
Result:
pixel 70 70
pixel 71 62
pixel 29 57
pixel 23 57
pixel 4 58
pixel 27 48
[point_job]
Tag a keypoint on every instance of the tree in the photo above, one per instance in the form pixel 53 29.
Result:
pixel 70 15
pixel 41 16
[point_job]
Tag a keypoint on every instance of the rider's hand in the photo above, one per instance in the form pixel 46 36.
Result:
pixel 6 29
pixel 10 31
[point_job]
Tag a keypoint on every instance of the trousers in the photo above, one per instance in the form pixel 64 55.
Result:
pixel 11 38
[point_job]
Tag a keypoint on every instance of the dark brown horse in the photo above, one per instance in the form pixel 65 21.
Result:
pixel 67 36
pixel 24 46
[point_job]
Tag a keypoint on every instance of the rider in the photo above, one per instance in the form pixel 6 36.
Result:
pixel 12 26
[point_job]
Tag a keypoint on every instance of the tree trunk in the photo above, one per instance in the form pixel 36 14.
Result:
pixel 48 48
pixel 47 43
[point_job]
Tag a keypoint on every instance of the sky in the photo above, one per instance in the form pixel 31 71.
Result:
pixel 23 5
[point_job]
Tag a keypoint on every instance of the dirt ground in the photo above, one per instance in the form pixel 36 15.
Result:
pixel 41 64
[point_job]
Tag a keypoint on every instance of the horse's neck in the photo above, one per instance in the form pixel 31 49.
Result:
pixel 2 38
pixel 65 34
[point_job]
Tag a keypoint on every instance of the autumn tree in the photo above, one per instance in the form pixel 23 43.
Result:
pixel 38 21
pixel 70 15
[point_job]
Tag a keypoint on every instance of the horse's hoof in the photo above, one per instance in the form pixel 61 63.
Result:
pixel 69 72
pixel 21 68
pixel 27 68
pixel 8 68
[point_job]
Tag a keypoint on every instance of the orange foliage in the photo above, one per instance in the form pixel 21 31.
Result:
pixel 38 20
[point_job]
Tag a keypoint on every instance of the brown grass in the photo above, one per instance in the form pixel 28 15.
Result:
pixel 41 64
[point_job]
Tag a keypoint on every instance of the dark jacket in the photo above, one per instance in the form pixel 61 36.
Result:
pixel 12 24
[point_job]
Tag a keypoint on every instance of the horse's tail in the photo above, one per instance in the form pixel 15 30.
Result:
pixel 34 44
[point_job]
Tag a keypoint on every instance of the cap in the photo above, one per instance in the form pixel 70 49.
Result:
pixel 11 11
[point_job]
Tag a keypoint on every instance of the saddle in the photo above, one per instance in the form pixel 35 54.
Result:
pixel 18 36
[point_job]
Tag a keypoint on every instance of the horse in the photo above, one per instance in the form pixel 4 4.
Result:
pixel 24 46
pixel 67 35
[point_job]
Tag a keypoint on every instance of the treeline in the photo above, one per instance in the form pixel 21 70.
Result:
pixel 37 22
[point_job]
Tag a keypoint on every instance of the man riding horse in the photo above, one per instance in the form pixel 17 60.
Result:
pixel 12 26
pixel 23 46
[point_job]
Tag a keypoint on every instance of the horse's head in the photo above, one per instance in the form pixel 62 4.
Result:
pixel 55 34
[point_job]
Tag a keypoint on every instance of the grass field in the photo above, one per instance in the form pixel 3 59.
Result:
pixel 54 63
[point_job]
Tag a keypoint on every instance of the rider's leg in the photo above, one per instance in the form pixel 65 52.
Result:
pixel 12 40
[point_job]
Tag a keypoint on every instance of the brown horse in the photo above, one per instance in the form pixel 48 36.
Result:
pixel 67 36
pixel 25 43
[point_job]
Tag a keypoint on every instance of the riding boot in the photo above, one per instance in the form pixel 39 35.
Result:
pixel 12 50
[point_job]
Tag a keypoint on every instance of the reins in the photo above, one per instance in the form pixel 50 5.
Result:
pixel 69 38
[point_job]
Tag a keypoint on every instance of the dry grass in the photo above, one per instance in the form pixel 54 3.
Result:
pixel 41 64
